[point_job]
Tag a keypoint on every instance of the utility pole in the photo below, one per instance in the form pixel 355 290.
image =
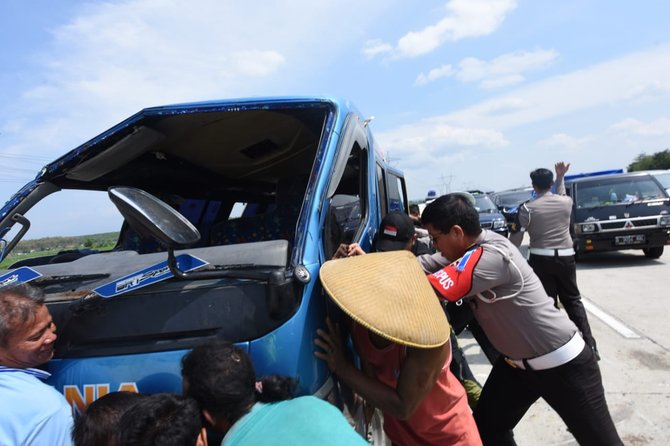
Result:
pixel 446 183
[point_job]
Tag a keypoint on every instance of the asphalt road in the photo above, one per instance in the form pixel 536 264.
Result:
pixel 627 298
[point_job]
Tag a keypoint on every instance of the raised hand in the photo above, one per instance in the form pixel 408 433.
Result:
pixel 561 168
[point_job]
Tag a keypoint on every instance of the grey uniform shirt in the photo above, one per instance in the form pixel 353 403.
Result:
pixel 432 262
pixel 547 219
pixel 526 325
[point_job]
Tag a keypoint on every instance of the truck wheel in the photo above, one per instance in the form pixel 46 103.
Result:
pixel 653 253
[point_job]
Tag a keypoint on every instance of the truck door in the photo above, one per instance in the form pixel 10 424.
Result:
pixel 347 193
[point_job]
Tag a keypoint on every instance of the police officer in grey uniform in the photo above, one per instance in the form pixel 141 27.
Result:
pixel 546 219
pixel 543 353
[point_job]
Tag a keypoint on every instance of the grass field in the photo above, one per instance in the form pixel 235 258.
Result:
pixel 28 249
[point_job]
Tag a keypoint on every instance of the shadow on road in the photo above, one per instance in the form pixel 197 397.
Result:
pixel 615 259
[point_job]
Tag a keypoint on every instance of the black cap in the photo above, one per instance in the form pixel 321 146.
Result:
pixel 395 230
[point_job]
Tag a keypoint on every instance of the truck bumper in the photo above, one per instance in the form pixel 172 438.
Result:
pixel 614 241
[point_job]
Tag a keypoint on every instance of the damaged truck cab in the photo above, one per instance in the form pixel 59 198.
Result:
pixel 271 188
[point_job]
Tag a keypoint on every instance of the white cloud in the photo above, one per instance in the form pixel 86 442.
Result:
pixel 464 19
pixel 474 18
pixel 635 127
pixel 258 63
pixel 566 141
pixel 503 81
pixel 649 91
pixel 580 102
pixel 164 51
pixel 504 105
pixel 580 90
pixel 506 69
pixel 375 47
pixel 114 58
pixel 434 74
pixel 433 153
pixel 435 138
pixel 503 71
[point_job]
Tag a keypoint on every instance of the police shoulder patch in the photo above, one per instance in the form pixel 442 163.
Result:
pixel 454 281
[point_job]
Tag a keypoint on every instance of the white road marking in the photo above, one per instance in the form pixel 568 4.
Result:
pixel 610 321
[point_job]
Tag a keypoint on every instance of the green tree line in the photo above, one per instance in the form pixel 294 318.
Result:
pixel 658 160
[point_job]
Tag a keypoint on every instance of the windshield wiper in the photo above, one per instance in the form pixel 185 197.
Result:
pixel 50 280
pixel 240 266
pixel 248 271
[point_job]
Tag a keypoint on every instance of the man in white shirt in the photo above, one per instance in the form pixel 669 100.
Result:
pixel 32 412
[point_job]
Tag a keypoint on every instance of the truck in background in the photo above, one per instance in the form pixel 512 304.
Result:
pixel 490 217
pixel 617 211
pixel 509 200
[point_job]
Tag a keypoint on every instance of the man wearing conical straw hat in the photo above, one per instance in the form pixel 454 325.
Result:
pixel 402 336
pixel 542 352
pixel 396 232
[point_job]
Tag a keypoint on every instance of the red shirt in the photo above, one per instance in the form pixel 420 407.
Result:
pixel 442 418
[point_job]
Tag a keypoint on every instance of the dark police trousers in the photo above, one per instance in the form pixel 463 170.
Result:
pixel 559 277
pixel 574 390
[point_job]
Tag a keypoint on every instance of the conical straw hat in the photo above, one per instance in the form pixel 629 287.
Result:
pixel 388 293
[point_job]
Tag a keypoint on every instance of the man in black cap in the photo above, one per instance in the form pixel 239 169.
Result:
pixel 396 232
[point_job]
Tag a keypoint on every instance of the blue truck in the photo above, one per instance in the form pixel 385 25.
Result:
pixel 272 186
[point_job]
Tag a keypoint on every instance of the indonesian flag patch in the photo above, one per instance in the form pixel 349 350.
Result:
pixel 391 231
pixel 454 281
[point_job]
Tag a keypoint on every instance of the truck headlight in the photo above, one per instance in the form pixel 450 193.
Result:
pixel 499 224
pixel 664 220
pixel 587 227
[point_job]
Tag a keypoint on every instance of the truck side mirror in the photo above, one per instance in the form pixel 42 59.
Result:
pixel 149 216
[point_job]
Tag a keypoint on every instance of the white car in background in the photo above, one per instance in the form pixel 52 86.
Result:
pixel 663 177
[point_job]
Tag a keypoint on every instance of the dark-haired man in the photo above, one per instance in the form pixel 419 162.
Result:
pixel 251 411
pixel 546 219
pixel 31 411
pixel 162 419
pixel 543 354
pixel 99 424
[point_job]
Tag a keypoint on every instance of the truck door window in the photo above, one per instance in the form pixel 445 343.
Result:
pixel 396 198
pixel 347 207
pixel 381 187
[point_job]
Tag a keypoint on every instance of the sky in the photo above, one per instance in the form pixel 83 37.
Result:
pixel 465 94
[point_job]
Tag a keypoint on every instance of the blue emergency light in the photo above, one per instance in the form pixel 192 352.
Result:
pixel 592 174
